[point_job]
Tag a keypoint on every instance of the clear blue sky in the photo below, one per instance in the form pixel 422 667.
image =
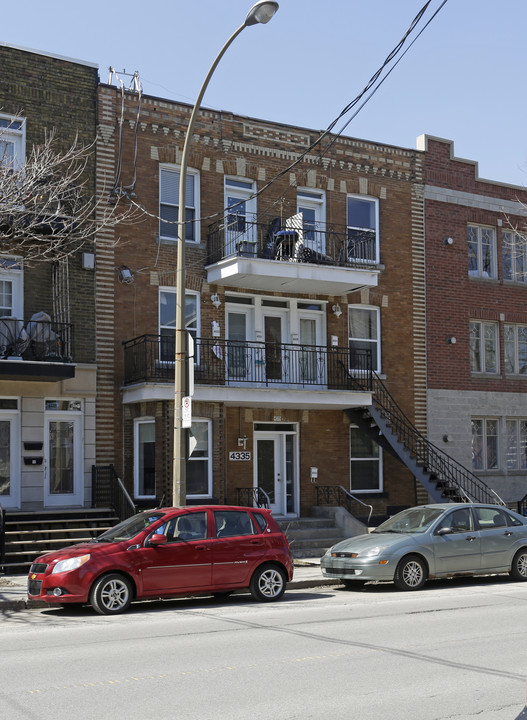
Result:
pixel 463 79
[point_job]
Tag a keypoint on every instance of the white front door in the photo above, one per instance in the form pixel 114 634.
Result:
pixel 64 477
pixel 276 468
pixel 9 460
pixel 240 217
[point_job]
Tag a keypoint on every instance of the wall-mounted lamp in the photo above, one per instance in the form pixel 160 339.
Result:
pixel 451 340
pixel 447 438
pixel 242 442
pixel 336 310
pixel 215 300
pixel 448 241
pixel 125 275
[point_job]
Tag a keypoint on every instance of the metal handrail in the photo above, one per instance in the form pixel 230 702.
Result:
pixel 342 497
pixel 108 490
pixel 454 476
pixel 253 497
pixel 2 537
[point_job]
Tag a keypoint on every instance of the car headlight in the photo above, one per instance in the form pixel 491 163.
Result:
pixel 70 564
pixel 372 552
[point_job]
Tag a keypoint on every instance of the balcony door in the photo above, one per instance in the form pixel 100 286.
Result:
pixel 311 359
pixel 311 205
pixel 64 475
pixel 276 466
pixel 240 227
pixel 240 357
pixel 278 359
pixel 9 454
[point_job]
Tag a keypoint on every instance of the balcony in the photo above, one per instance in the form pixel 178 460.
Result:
pixel 278 257
pixel 246 373
pixel 38 350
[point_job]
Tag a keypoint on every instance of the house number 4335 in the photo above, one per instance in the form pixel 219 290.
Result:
pixel 240 455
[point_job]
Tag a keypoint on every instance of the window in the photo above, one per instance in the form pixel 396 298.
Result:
pixel 363 225
pixel 145 458
pixel 484 444
pixel 364 335
pixel 168 204
pixel 231 523
pixel 12 141
pixel 516 444
pixel 481 252
pixel 311 205
pixel 515 349
pixel 199 464
pixel 167 320
pixel 11 288
pixel 365 463
pixel 190 526
pixel 483 347
pixel 514 256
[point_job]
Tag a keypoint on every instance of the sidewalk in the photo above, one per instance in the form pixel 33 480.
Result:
pixel 13 588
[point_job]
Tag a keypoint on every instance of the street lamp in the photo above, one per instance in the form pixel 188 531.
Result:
pixel 261 12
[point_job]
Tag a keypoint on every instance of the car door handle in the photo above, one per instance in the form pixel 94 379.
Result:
pixel 201 547
pixel 507 533
pixel 256 542
pixel 470 538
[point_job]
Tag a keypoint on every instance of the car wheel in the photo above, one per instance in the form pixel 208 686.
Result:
pixel 111 594
pixel 410 573
pixel 268 583
pixel 519 565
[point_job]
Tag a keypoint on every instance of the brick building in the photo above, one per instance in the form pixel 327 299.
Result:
pixel 476 290
pixel 291 291
pixel 47 323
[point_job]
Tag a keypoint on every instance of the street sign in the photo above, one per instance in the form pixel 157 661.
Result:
pixel 186 413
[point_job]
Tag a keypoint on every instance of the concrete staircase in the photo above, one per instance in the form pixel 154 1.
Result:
pixel 310 537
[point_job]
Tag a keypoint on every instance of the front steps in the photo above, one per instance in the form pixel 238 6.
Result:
pixel 29 534
pixel 310 537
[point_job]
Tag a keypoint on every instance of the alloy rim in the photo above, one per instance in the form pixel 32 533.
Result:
pixel 114 595
pixel 270 583
pixel 412 574
pixel 522 565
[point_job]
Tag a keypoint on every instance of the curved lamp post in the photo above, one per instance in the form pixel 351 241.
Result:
pixel 261 12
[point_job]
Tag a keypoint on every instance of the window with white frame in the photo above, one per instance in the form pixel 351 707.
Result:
pixel 9 451
pixel 481 252
pixel 516 444
pixel 11 287
pixel 483 347
pixel 199 464
pixel 485 447
pixel 12 142
pixel 169 202
pixel 365 463
pixel 363 228
pixel 311 204
pixel 364 335
pixel 514 249
pixel 515 340
pixel 144 457
pixel 167 320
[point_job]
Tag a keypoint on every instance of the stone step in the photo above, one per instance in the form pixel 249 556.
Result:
pixel 314 533
pixel 305 523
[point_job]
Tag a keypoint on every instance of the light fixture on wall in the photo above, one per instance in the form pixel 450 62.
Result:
pixel 336 310
pixel 125 275
pixel 447 438
pixel 451 340
pixel 448 241
pixel 215 300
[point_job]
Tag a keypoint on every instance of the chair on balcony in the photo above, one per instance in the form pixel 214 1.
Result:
pixel 13 338
pixel 45 343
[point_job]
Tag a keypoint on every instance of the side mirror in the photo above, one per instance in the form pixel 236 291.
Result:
pixel 156 540
pixel 445 531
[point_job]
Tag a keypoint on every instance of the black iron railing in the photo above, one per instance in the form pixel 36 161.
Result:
pixel 521 506
pixel 2 537
pixel 253 497
pixel 108 491
pixel 150 358
pixel 337 495
pixel 317 243
pixel 38 339
pixel 456 481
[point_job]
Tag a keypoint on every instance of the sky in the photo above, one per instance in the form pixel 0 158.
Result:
pixel 463 79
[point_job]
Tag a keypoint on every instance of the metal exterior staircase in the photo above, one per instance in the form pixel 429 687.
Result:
pixel 443 478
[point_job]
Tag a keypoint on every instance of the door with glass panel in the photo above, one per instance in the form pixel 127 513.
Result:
pixel 9 455
pixel 240 217
pixel 278 354
pixel 64 476
pixel 240 353
pixel 275 468
pixel 311 205
pixel 312 358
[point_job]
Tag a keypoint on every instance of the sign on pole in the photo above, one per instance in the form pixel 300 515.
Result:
pixel 186 412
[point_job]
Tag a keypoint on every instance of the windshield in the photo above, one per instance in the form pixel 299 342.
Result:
pixel 128 529
pixel 413 520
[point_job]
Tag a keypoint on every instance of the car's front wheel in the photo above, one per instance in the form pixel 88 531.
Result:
pixel 519 565
pixel 268 583
pixel 111 594
pixel 410 573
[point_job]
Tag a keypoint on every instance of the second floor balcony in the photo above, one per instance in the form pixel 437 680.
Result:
pixel 225 365
pixel 286 257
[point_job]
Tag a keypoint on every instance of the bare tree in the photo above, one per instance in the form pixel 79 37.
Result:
pixel 47 207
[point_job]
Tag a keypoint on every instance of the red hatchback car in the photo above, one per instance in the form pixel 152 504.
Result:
pixel 166 553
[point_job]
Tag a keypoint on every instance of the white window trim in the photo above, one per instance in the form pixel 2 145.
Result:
pixel 514 327
pixel 12 501
pixel 17 137
pixel 137 423
pixel 209 458
pixel 197 203
pixel 172 291
pixel 479 272
pixel 377 342
pixel 485 436
pixel 16 275
pixel 366 491
pixel 517 247
pixel 482 324
pixel 375 201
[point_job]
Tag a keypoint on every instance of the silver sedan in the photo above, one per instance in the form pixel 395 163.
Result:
pixel 433 541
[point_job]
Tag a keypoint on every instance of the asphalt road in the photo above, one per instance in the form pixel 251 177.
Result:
pixel 456 650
